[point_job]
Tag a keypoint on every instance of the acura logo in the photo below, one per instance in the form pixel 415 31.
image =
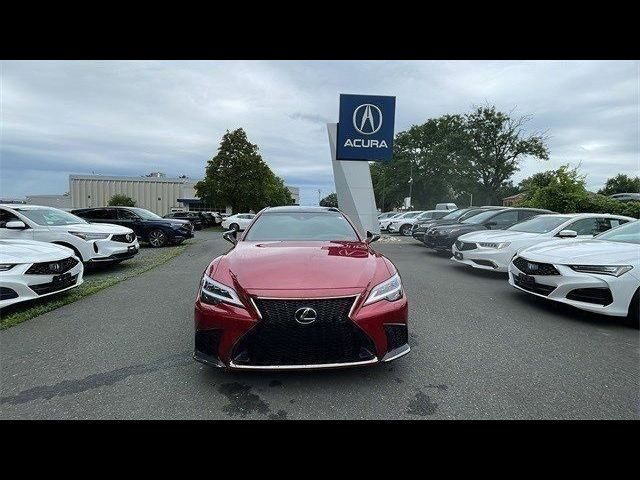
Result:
pixel 532 266
pixel 129 237
pixel 54 267
pixel 367 119
pixel 305 316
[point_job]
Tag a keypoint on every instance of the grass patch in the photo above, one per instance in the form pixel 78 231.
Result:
pixel 18 313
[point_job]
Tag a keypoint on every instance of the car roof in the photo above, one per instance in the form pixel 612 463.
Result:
pixel 298 209
pixel 20 206
pixel 583 215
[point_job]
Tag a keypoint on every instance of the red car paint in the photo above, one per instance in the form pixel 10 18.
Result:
pixel 299 269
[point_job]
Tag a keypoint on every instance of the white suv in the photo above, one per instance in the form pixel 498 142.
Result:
pixel 92 243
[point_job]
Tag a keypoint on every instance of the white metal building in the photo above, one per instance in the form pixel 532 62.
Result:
pixel 156 193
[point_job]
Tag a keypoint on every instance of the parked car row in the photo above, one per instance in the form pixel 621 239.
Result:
pixel 44 250
pixel 588 260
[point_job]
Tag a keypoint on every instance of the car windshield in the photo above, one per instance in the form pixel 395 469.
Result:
pixel 50 216
pixel 425 216
pixel 411 214
pixel 541 224
pixel 481 217
pixel 455 214
pixel 146 214
pixel 292 226
pixel 627 233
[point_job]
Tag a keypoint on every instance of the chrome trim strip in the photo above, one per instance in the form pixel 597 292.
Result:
pixel 308 298
pixel 397 355
pixel 256 307
pixel 302 367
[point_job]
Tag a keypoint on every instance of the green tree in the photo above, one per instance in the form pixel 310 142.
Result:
pixel 621 183
pixel 496 145
pixel 330 200
pixel 238 176
pixel 120 200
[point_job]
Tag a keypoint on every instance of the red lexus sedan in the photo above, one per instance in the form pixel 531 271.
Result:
pixel 300 289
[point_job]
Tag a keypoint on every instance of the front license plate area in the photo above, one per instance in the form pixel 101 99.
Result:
pixel 61 281
pixel 527 280
pixel 458 255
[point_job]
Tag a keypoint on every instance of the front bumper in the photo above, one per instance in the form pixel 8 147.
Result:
pixel 496 260
pixel 562 288
pixel 105 251
pixel 19 285
pixel 441 243
pixel 223 333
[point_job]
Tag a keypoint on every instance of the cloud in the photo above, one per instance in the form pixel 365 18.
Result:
pixel 133 117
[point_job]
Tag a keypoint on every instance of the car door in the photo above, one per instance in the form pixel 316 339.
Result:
pixel 128 219
pixel 20 234
pixel 502 220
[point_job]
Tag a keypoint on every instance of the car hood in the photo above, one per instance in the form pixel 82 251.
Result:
pixel 587 252
pixel 92 228
pixel 30 251
pixel 499 236
pixel 302 265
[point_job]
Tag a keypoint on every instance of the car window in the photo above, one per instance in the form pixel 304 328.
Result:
pixel 526 214
pixel 479 217
pixel 540 224
pixel 504 219
pixel 7 217
pixel 51 216
pixel 126 215
pixel 584 226
pixel 438 215
pixel 627 233
pixel 99 214
pixel 302 226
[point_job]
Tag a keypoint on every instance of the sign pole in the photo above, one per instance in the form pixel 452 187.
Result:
pixel 354 188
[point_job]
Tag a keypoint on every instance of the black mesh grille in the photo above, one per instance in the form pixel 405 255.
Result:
pixel 397 336
pixel 49 268
pixel 535 268
pixel 600 296
pixel 535 287
pixel 7 293
pixel 51 287
pixel 460 245
pixel 126 238
pixel 207 341
pixel 278 339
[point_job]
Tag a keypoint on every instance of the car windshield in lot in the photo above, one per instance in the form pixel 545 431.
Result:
pixel 628 233
pixel 455 214
pixel 50 216
pixel 146 214
pixel 541 224
pixel 305 226
pixel 481 217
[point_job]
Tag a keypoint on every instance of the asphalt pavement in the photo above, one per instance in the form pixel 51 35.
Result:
pixel 480 349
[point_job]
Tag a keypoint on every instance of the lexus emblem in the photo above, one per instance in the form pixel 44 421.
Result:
pixel 54 267
pixel 305 316
pixel 367 119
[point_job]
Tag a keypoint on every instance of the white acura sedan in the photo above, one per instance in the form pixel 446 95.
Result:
pixel 91 242
pixel 494 249
pixel 238 222
pixel 30 270
pixel 601 275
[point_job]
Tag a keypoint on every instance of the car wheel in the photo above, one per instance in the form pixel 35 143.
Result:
pixel 633 315
pixel 405 230
pixel 157 238
pixel 234 226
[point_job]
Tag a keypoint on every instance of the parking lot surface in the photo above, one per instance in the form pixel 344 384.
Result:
pixel 480 349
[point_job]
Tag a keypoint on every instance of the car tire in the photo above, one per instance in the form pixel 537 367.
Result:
pixel 633 315
pixel 234 226
pixel 157 238
pixel 405 230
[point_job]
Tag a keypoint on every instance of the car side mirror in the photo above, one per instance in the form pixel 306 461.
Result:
pixel 16 225
pixel 231 236
pixel 372 237
pixel 567 234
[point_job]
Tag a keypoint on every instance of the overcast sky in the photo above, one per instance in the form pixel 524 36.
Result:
pixel 134 117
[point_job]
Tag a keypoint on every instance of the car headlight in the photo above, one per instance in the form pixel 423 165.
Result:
pixel 6 266
pixel 215 292
pixel 390 290
pixel 613 270
pixel 91 236
pixel 497 245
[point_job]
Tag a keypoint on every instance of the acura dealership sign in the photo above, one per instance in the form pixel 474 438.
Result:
pixel 365 128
